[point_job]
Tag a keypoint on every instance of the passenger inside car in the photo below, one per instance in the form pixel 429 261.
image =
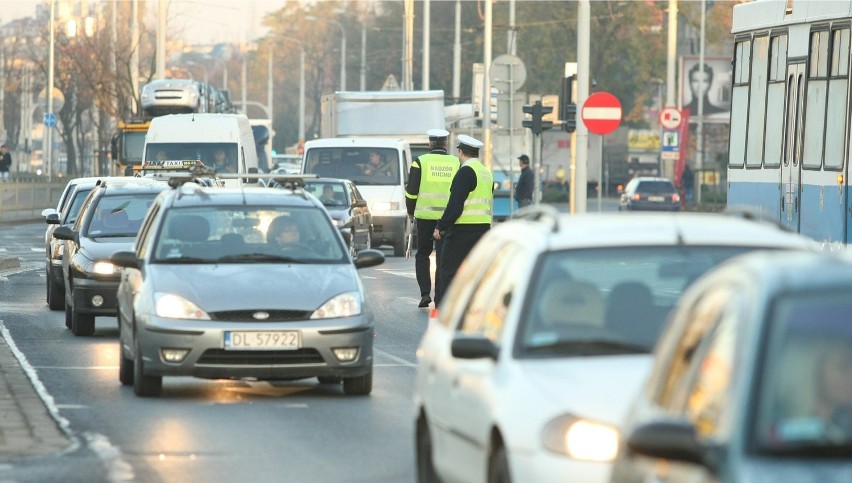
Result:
pixel 286 234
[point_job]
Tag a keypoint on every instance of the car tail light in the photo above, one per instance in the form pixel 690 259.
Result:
pixel 676 198
pixel 637 197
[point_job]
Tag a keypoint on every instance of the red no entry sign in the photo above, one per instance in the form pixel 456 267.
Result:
pixel 601 113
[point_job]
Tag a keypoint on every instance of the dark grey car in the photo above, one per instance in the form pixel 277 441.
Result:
pixel 347 208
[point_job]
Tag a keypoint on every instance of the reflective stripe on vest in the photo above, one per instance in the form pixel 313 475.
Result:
pixel 477 207
pixel 436 175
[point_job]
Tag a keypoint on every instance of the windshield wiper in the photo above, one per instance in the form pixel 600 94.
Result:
pixel 183 259
pixel 590 346
pixel 812 449
pixel 258 257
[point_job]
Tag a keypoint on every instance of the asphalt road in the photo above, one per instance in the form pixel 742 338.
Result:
pixel 201 430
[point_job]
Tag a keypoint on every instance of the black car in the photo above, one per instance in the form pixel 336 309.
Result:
pixel 347 208
pixel 649 194
pixel 108 222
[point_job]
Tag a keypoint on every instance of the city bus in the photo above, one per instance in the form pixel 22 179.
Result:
pixel 789 140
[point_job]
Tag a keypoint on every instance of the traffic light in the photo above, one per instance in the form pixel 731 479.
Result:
pixel 537 111
pixel 570 122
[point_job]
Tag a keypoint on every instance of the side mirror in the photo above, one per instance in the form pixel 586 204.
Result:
pixel 48 211
pixel 52 218
pixel 474 347
pixel 671 440
pixel 125 259
pixel 360 204
pixel 369 258
pixel 66 233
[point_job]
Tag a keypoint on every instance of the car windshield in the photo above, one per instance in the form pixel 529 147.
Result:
pixel 364 166
pixel 656 187
pixel 804 401
pixel 119 215
pixel 248 234
pixel 606 301
pixel 329 194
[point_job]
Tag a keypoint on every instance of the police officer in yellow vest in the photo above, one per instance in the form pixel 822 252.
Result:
pixel 468 213
pixel 426 197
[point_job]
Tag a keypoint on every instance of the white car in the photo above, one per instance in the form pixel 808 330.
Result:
pixel 545 337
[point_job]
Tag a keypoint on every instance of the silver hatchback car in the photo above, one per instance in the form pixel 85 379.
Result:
pixel 243 283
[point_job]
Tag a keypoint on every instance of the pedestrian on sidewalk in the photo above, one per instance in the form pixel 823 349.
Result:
pixel 5 163
pixel 524 188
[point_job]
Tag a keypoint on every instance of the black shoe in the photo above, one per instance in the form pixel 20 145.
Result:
pixel 424 301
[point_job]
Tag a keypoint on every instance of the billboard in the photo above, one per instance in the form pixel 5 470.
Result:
pixel 712 83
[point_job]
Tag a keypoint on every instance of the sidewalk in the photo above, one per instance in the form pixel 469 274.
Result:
pixel 27 427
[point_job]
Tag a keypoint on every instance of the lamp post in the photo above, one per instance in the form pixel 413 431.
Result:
pixel 47 140
pixel 301 87
pixel 342 48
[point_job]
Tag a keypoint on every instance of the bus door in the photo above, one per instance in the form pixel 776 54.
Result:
pixel 791 173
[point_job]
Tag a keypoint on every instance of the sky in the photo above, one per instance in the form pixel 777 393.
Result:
pixel 197 21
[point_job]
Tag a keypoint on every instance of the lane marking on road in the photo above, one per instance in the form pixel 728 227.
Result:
pixel 398 273
pixel 35 249
pixel 399 360
pixel 71 406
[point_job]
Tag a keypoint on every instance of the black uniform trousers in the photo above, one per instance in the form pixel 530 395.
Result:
pixel 422 265
pixel 458 242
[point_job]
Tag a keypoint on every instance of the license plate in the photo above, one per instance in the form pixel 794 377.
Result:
pixel 262 340
pixel 658 199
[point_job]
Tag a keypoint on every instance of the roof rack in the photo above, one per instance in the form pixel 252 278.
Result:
pixel 540 212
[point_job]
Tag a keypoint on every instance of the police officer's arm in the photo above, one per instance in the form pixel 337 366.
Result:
pixel 463 183
pixel 412 190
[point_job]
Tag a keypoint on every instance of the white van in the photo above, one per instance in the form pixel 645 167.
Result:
pixel 379 167
pixel 179 140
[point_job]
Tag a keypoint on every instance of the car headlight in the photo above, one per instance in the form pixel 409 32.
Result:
pixel 386 206
pixel 171 306
pixel 338 223
pixel 343 305
pixel 581 439
pixel 105 268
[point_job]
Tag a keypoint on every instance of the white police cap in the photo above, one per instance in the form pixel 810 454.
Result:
pixel 438 133
pixel 469 142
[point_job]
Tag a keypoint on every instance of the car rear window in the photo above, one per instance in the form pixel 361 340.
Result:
pixel 656 187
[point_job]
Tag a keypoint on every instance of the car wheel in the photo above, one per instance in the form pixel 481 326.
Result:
pixel 359 386
pixel 399 249
pixel 55 294
pixel 144 385
pixel 82 324
pixel 125 366
pixel 498 466
pixel 423 445
pixel 68 316
pixel 328 379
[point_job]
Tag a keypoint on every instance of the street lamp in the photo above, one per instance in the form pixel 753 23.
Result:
pixel 301 87
pixel 342 48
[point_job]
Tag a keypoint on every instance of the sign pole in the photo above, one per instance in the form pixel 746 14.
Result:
pixel 600 176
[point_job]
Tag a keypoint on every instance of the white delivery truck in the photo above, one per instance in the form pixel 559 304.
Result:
pixel 394 114
pixel 221 141
pixel 379 167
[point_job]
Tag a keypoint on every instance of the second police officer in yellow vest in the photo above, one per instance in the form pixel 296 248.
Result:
pixel 468 213
pixel 426 196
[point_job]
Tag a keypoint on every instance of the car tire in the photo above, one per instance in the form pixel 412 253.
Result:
pixel 498 465
pixel 68 316
pixel 82 324
pixel 359 386
pixel 423 446
pixel 329 379
pixel 399 249
pixel 55 293
pixel 144 385
pixel 125 366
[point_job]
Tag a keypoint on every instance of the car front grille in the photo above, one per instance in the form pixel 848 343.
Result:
pixel 249 358
pixel 249 315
